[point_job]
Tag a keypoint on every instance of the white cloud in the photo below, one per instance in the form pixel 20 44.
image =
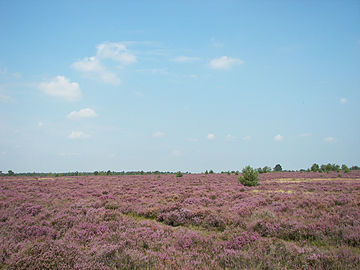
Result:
pixel 278 138
pixel 69 154
pixel 40 124
pixel 343 100
pixel 192 76
pixel 78 135
pixel 88 64
pixel 139 94
pixel 211 136
pixel 116 51
pixel 61 87
pixel 224 62
pixel 176 153
pixel 216 44
pixel 230 137
pixel 247 138
pixel 329 139
pixel 92 67
pixel 185 59
pixel 83 113
pixel 158 134
pixel 5 99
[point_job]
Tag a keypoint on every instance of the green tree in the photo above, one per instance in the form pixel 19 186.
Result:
pixel 10 173
pixel 315 167
pixel 179 174
pixel 345 168
pixel 277 168
pixel 249 177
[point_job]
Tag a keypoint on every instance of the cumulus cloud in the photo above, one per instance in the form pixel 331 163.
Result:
pixel 78 135
pixel 94 66
pixel 185 59
pixel 83 113
pixel 158 134
pixel 211 136
pixel 329 139
pixel 247 138
pixel 278 138
pixel 61 87
pixel 224 62
pixel 343 100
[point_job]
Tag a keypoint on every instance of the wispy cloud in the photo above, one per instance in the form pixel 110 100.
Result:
pixel 115 51
pixel 329 139
pixel 158 134
pixel 305 135
pixel 343 100
pixel 69 154
pixel 246 138
pixel 225 62
pixel 185 59
pixel 216 43
pixel 139 94
pixel 5 99
pixel 78 135
pixel 230 138
pixel 83 113
pixel 40 124
pixel 210 136
pixel 176 153
pixel 278 138
pixel 61 87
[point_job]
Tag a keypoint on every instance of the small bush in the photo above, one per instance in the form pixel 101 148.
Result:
pixel 179 174
pixel 249 177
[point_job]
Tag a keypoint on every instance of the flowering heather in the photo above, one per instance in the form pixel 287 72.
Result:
pixel 291 220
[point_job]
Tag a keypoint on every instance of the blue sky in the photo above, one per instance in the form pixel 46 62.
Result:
pixel 178 85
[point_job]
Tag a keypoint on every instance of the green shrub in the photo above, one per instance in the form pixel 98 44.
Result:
pixel 179 174
pixel 249 177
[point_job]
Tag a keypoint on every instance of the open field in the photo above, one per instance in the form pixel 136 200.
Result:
pixel 290 221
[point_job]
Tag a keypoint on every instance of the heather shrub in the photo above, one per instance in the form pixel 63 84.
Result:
pixel 249 177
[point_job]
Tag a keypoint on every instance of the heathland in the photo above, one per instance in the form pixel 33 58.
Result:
pixel 291 220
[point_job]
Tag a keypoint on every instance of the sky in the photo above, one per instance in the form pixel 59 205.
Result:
pixel 178 85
